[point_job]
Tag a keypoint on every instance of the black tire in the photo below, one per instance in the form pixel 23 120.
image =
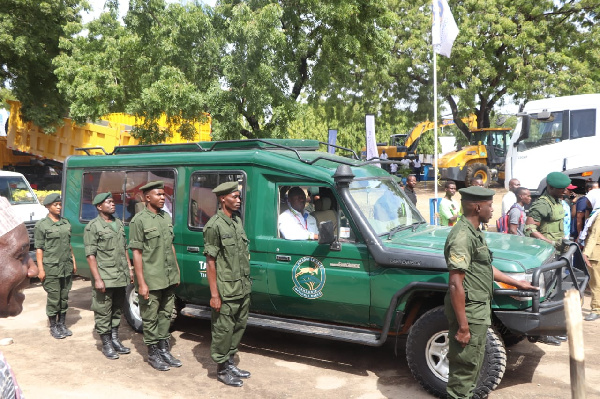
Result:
pixel 132 311
pixel 478 170
pixel 427 347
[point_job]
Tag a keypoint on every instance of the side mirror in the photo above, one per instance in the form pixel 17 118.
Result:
pixel 525 123
pixel 326 233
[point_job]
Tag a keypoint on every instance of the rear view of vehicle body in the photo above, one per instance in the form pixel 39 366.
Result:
pixel 383 273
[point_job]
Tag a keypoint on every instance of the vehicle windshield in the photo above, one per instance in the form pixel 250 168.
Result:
pixel 384 204
pixel 16 190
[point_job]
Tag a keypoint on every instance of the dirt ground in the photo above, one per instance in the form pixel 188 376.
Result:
pixel 282 365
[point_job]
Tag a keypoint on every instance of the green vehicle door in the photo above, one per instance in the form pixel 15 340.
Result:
pixel 200 205
pixel 308 279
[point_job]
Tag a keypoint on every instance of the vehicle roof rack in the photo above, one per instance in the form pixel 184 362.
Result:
pixel 293 145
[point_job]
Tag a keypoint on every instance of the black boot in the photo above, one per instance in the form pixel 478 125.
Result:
pixel 107 347
pixel 54 330
pixel 165 354
pixel 117 344
pixel 237 372
pixel 61 325
pixel 155 359
pixel 226 377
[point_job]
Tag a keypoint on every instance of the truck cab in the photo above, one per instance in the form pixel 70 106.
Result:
pixel 15 188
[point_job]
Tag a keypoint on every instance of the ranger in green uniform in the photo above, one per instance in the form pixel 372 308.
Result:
pixel 157 273
pixel 228 273
pixel 468 300
pixel 105 248
pixel 56 264
pixel 545 221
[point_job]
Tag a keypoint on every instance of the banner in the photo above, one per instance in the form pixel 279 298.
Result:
pixel 444 30
pixel 371 140
pixel 332 139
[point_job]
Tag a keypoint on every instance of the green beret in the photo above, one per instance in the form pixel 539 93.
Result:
pixel 51 199
pixel 100 198
pixel 151 185
pixel 557 180
pixel 476 194
pixel 226 188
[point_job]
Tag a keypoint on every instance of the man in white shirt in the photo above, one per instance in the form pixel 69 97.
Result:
pixel 296 223
pixel 417 168
pixel 510 197
pixel 393 168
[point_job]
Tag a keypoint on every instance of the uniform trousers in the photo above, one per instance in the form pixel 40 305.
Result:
pixel 108 308
pixel 57 289
pixel 595 285
pixel 227 328
pixel 465 363
pixel 156 312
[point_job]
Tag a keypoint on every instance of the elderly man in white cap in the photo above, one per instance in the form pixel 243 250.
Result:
pixel 16 269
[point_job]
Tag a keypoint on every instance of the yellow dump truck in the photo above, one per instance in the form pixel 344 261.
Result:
pixel 29 150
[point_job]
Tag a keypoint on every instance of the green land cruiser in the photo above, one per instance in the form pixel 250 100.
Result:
pixel 382 273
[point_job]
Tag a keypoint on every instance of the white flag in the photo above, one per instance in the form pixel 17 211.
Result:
pixel 444 28
pixel 371 140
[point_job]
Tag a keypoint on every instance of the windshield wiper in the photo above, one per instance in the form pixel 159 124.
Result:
pixel 393 231
pixel 396 229
pixel 415 225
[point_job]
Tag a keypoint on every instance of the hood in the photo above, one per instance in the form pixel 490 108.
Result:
pixel 511 254
pixel 30 212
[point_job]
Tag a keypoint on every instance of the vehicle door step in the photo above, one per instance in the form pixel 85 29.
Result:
pixel 303 327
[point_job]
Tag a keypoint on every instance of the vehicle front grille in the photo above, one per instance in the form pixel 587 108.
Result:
pixel 30 226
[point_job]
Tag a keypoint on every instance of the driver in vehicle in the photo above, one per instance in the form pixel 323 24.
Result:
pixel 296 223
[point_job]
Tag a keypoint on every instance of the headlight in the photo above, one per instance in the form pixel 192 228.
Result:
pixel 527 277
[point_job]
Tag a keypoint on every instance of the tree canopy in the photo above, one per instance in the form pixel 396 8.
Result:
pixel 280 68
pixel 30 31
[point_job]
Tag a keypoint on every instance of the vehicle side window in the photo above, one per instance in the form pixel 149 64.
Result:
pixel 100 182
pixel 125 189
pixel 134 197
pixel 582 123
pixel 203 202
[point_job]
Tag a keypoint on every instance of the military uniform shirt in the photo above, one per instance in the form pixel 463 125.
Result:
pixel 549 213
pixel 54 238
pixel 467 250
pixel 108 246
pixel 226 241
pixel 152 233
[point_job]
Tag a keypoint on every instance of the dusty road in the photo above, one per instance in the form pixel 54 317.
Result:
pixel 282 366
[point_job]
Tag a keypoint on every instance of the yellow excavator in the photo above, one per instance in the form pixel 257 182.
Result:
pixel 405 145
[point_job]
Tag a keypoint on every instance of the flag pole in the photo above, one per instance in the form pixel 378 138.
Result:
pixel 435 132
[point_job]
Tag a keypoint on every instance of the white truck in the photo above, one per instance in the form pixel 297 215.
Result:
pixel 556 135
pixel 15 188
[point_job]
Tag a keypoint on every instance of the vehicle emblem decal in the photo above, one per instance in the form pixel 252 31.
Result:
pixel 308 275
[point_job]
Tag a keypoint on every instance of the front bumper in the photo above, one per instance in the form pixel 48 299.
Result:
pixel 547 317
pixel 453 173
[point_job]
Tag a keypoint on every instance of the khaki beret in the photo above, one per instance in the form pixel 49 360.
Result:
pixel 51 199
pixel 226 188
pixel 151 185
pixel 476 194
pixel 557 180
pixel 100 198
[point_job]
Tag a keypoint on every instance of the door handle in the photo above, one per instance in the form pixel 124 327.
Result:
pixel 193 249
pixel 283 258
